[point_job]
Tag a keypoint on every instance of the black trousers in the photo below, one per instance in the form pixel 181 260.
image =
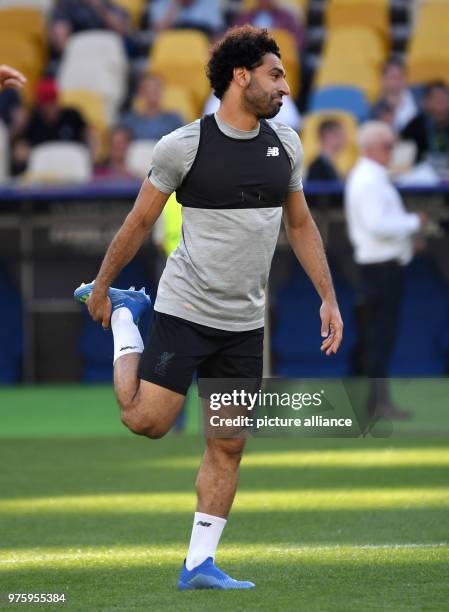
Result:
pixel 380 296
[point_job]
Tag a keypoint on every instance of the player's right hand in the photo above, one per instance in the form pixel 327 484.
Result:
pixel 100 307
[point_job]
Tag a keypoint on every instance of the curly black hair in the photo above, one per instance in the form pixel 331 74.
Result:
pixel 240 47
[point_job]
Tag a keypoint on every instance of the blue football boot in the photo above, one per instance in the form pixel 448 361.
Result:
pixel 136 301
pixel 209 576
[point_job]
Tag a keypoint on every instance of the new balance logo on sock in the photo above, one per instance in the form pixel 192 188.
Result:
pixel 273 152
pixel 128 347
pixel 204 524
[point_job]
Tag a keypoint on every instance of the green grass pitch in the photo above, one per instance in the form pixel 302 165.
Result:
pixel 88 510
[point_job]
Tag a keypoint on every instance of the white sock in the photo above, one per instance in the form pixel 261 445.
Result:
pixel 206 534
pixel 127 338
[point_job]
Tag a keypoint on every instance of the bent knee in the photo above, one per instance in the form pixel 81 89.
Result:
pixel 143 427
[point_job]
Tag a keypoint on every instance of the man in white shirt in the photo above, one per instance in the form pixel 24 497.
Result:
pixel 381 232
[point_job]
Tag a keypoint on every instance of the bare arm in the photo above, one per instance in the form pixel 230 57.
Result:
pixel 124 246
pixel 307 245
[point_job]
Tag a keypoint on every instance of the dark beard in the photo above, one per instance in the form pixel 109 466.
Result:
pixel 269 114
pixel 258 103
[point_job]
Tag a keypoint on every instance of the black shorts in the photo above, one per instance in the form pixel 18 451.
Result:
pixel 177 348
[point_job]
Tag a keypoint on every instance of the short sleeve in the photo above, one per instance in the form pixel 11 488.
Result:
pixel 297 164
pixel 167 165
pixel 292 144
pixel 173 157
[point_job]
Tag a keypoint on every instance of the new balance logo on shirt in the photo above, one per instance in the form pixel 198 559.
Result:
pixel 273 152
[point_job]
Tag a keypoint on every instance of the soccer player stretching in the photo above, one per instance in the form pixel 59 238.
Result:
pixel 235 174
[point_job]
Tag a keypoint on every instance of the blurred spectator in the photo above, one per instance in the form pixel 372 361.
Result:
pixel 149 121
pixel 381 233
pixel 70 16
pixel 395 98
pixel 332 141
pixel 115 167
pixel 47 122
pixel 288 114
pixel 268 14
pixel 10 101
pixel 430 129
pixel 203 15
pixel 383 111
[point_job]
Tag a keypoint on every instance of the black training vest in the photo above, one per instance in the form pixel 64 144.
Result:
pixel 236 173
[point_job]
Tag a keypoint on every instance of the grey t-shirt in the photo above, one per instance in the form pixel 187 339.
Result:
pixel 218 273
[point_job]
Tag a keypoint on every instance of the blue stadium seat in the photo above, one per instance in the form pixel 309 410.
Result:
pixel 349 99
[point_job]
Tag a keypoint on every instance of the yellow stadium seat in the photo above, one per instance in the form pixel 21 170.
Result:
pixel 23 55
pixel 421 36
pixel 180 57
pixel 179 100
pixel 90 104
pixel 425 46
pixel 355 42
pixel 93 109
pixel 20 53
pixel 357 72
pixel 424 71
pixel 372 14
pixel 311 144
pixel 135 9
pixel 432 15
pixel 26 23
pixel 428 49
pixel 290 58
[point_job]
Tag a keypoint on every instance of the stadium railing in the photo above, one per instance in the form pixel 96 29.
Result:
pixel 52 238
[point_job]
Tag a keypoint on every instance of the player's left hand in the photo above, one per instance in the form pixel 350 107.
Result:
pixel 331 327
